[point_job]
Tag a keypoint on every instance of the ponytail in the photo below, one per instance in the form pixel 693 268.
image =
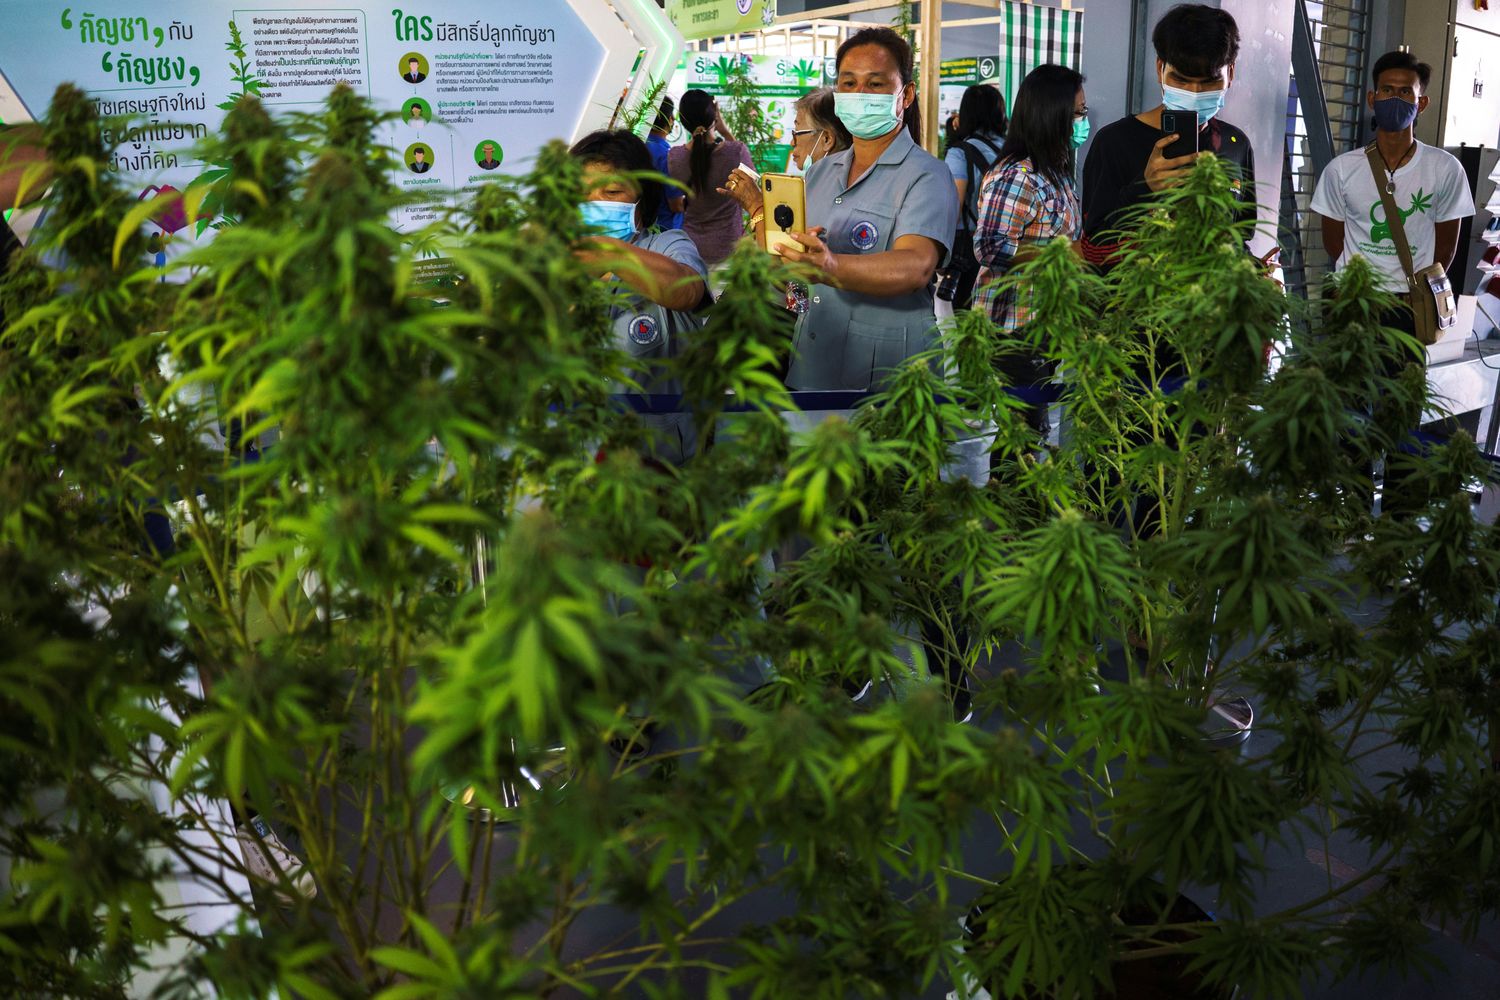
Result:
pixel 696 110
pixel 700 159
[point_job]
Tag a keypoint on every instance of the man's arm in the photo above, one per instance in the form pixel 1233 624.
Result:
pixel 1445 243
pixel 1455 203
pixel 1333 237
pixel 1100 194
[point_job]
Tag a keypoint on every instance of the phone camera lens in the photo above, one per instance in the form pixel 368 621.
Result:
pixel 783 216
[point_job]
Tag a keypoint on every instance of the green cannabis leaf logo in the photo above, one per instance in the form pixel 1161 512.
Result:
pixel 1381 229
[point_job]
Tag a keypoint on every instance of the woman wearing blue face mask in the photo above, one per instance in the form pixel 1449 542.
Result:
pixel 883 214
pixel 1029 198
pixel 658 278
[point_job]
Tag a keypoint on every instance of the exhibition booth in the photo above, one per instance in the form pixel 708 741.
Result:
pixel 425 572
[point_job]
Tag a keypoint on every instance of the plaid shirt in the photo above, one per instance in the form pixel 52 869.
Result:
pixel 1018 206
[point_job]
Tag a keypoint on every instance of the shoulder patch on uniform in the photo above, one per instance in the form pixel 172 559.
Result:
pixel 864 235
pixel 643 330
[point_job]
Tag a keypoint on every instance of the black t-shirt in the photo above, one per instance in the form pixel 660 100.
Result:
pixel 1114 176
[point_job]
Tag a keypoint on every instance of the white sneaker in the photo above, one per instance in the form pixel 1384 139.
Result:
pixel 268 861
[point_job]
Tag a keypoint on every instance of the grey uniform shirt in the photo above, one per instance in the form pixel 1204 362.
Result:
pixel 846 339
pixel 650 333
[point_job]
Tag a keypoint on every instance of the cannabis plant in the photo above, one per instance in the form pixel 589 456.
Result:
pixel 745 113
pixel 302 537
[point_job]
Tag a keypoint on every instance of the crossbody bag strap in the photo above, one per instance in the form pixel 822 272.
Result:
pixel 1392 214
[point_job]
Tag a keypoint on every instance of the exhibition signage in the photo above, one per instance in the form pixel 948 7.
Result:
pixel 969 70
pixel 478 86
pixel 778 81
pixel 1030 35
pixel 714 18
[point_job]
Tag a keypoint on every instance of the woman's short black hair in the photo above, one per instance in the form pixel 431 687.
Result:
pixel 901 54
pixel 981 110
pixel 1196 40
pixel 1041 124
pixel 624 152
pixel 1402 61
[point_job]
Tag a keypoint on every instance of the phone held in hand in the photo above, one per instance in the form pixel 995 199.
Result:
pixel 1184 124
pixel 786 210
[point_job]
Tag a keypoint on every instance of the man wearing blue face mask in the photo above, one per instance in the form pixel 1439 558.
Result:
pixel 658 278
pixel 1428 184
pixel 1431 195
pixel 1196 46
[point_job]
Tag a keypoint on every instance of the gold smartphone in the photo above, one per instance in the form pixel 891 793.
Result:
pixel 785 199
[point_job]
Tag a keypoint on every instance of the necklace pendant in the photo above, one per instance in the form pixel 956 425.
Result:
pixel 1390 187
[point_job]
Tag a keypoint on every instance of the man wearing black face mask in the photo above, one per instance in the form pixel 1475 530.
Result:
pixel 1428 184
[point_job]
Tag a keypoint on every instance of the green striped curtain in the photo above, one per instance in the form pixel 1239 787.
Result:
pixel 1030 36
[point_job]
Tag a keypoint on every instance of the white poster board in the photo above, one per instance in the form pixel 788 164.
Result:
pixel 480 86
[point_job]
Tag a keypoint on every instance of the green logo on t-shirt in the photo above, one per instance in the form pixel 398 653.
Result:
pixel 1381 230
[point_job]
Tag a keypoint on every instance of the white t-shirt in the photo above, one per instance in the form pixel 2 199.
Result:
pixel 1430 188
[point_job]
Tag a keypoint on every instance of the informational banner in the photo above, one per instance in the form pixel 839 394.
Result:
pixel 779 81
pixel 969 70
pixel 477 94
pixel 714 18
pixel 1030 35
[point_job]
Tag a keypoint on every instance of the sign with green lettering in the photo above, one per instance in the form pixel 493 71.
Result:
pixel 713 18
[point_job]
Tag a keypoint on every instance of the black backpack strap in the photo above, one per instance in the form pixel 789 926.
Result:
pixel 976 165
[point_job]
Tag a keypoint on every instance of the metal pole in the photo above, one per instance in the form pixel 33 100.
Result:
pixel 1141 54
pixel 1310 91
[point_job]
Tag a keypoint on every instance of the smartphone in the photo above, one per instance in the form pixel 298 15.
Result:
pixel 786 210
pixel 1185 125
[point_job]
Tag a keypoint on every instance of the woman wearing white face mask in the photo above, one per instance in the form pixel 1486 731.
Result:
pixel 883 214
pixel 658 279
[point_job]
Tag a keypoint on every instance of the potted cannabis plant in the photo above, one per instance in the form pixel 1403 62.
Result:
pixel 404 537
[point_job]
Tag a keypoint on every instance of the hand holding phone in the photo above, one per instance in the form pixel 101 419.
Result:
pixel 1183 125
pixel 1164 170
pixel 786 210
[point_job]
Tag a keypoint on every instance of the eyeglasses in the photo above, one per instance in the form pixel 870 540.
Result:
pixel 802 131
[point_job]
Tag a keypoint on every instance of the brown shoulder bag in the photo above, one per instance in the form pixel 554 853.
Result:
pixel 1432 301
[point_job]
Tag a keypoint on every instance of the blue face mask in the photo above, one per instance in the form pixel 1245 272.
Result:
pixel 1392 114
pixel 1207 104
pixel 609 218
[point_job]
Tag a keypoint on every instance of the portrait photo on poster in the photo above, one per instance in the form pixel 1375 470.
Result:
pixel 414 67
pixel 419 158
pixel 488 154
pixel 416 112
